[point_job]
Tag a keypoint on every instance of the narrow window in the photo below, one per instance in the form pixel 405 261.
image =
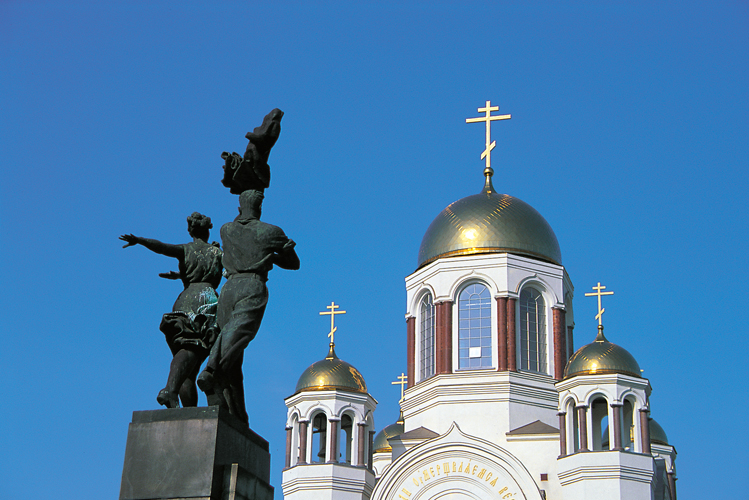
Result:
pixel 599 416
pixel 532 331
pixel 426 338
pixel 474 327
pixel 319 437
pixel 345 444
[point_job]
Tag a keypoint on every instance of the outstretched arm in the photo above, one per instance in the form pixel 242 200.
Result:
pixel 287 257
pixel 176 251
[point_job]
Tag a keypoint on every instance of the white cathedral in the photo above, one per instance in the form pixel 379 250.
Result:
pixel 498 404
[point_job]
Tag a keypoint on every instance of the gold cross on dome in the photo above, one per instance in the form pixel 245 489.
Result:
pixel 599 293
pixel 488 118
pixel 402 381
pixel 332 314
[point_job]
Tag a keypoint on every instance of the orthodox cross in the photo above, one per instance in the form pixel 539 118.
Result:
pixel 402 381
pixel 488 118
pixel 599 293
pixel 332 314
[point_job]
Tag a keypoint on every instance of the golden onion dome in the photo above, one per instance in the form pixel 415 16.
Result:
pixel 381 439
pixel 657 434
pixel 489 222
pixel 331 373
pixel 601 356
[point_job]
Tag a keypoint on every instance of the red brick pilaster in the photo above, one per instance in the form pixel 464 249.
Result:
pixel 444 337
pixel 672 484
pixel 302 442
pixel 333 455
pixel 410 350
pixel 562 434
pixel 370 449
pixel 512 364
pixel 616 414
pixel 560 347
pixel 582 418
pixel 362 428
pixel 289 435
pixel 645 430
pixel 502 333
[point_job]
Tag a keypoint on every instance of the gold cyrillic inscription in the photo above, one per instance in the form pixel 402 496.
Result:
pixel 436 469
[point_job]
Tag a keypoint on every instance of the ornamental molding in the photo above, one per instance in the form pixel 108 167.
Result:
pixel 460 464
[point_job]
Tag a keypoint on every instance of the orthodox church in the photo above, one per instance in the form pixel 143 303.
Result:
pixel 497 404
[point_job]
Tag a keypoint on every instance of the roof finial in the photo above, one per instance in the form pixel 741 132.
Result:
pixel 333 328
pixel 402 381
pixel 487 154
pixel 599 293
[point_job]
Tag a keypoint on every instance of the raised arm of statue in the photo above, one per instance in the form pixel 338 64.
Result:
pixel 176 251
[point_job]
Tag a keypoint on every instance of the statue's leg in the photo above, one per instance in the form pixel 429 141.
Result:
pixel 242 326
pixel 188 391
pixel 237 391
pixel 183 364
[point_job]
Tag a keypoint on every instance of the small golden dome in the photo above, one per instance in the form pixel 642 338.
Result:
pixel 601 356
pixel 331 373
pixel 381 439
pixel 489 222
pixel 657 434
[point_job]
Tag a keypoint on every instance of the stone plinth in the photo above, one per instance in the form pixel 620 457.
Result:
pixel 194 453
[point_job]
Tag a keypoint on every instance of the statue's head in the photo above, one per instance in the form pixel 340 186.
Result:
pixel 199 225
pixel 250 203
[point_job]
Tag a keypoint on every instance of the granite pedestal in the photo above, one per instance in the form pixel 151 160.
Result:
pixel 194 453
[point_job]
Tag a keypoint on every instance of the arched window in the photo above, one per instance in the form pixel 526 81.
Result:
pixel 599 417
pixel 294 458
pixel 347 435
pixel 426 338
pixel 319 438
pixel 474 327
pixel 532 331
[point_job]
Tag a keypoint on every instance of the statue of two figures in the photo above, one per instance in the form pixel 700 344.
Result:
pixel 202 323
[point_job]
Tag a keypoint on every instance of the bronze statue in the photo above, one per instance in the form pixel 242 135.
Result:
pixel 251 248
pixel 190 329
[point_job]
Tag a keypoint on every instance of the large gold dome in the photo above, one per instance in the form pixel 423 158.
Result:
pixel 331 373
pixel 601 356
pixel 489 222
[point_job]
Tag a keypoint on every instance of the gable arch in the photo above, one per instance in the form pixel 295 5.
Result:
pixel 603 392
pixel 316 408
pixel 470 278
pixel 542 286
pixel 293 415
pixel 456 463
pixel 425 289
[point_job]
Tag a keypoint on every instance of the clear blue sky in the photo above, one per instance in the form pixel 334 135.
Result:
pixel 629 133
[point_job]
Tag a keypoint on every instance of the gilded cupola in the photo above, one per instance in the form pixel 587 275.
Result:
pixel 331 373
pixel 601 356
